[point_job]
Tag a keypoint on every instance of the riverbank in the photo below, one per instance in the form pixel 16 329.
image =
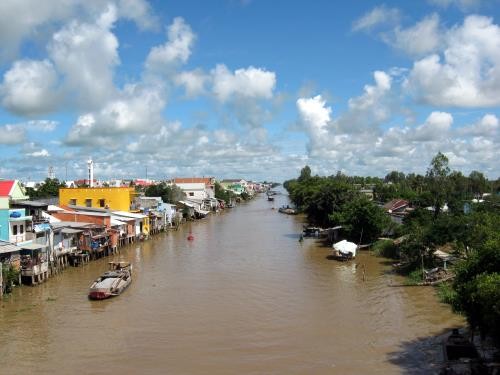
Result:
pixel 244 297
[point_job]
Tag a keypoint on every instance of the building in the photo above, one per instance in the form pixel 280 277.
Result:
pixel 13 221
pixel 197 188
pixel 114 198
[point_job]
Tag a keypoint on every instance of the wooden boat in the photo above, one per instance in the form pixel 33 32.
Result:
pixel 287 210
pixel 460 355
pixel 112 282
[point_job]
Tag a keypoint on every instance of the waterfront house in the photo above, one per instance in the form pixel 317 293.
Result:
pixel 13 221
pixel 196 187
pixel 141 222
pixel 114 198
pixel 10 254
pixel 34 263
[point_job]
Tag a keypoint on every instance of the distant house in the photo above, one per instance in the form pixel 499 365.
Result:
pixel 397 209
pixel 367 192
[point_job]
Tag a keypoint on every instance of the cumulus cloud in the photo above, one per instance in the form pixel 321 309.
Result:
pixel 467 74
pixel 30 87
pixel 138 11
pixel 487 126
pixel 12 134
pixel 193 81
pixel 137 109
pixel 315 116
pixel 175 51
pixel 436 127
pixel 43 153
pixel 380 15
pixel 35 18
pixel 422 38
pixel 248 82
pixel 86 53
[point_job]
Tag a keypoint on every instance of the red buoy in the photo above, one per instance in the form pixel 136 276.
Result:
pixel 190 237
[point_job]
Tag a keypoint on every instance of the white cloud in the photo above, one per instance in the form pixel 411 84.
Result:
pixel 45 126
pixel 175 51
pixel 377 16
pixel 487 126
pixel 422 38
pixel 85 54
pixel 435 128
pixel 138 11
pixel 43 153
pixel 136 110
pixel 30 87
pixel 463 5
pixel 468 72
pixel 251 82
pixel 193 81
pixel 12 134
pixel 35 18
pixel 315 116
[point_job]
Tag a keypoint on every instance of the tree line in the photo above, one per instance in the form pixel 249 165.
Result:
pixel 448 208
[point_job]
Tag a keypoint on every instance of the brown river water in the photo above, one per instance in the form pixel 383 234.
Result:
pixel 245 297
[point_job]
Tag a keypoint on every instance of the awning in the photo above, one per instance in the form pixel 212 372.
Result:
pixel 21 218
pixel 115 222
pixel 201 212
pixel 43 227
pixel 71 231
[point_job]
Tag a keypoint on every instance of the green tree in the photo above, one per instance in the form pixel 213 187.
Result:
pixel 437 179
pixel 361 219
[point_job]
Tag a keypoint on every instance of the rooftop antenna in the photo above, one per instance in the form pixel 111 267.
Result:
pixel 90 165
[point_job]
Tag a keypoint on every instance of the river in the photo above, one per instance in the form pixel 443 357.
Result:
pixel 245 297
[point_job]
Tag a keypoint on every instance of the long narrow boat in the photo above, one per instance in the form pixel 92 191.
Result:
pixel 112 282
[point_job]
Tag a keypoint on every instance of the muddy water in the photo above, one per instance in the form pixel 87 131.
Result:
pixel 245 297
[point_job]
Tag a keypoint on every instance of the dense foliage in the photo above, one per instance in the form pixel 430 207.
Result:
pixel 447 209
pixel 47 189
pixel 221 193
pixel 168 193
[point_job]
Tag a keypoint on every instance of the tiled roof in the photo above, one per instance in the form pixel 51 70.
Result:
pixel 193 180
pixel 6 187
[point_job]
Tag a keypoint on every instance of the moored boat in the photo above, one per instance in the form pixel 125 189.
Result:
pixel 112 282
pixel 344 250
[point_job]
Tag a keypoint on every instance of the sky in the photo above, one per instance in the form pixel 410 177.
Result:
pixel 247 88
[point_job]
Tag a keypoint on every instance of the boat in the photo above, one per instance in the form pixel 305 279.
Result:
pixel 460 355
pixel 112 282
pixel 344 250
pixel 287 210
pixel 270 198
pixel 312 231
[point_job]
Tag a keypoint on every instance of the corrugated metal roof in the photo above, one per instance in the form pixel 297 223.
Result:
pixel 7 247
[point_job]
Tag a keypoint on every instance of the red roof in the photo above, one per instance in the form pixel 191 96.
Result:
pixel 6 187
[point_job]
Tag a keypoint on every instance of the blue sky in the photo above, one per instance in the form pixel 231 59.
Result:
pixel 248 88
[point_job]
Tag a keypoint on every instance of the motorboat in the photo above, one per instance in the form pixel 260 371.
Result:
pixel 112 282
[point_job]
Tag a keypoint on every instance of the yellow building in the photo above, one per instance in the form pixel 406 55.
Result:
pixel 114 198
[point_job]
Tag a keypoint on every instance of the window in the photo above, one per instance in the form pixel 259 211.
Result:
pixel 88 202
pixel 102 202
pixel 14 230
pixel 191 194
pixel 21 229
pixel 72 202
